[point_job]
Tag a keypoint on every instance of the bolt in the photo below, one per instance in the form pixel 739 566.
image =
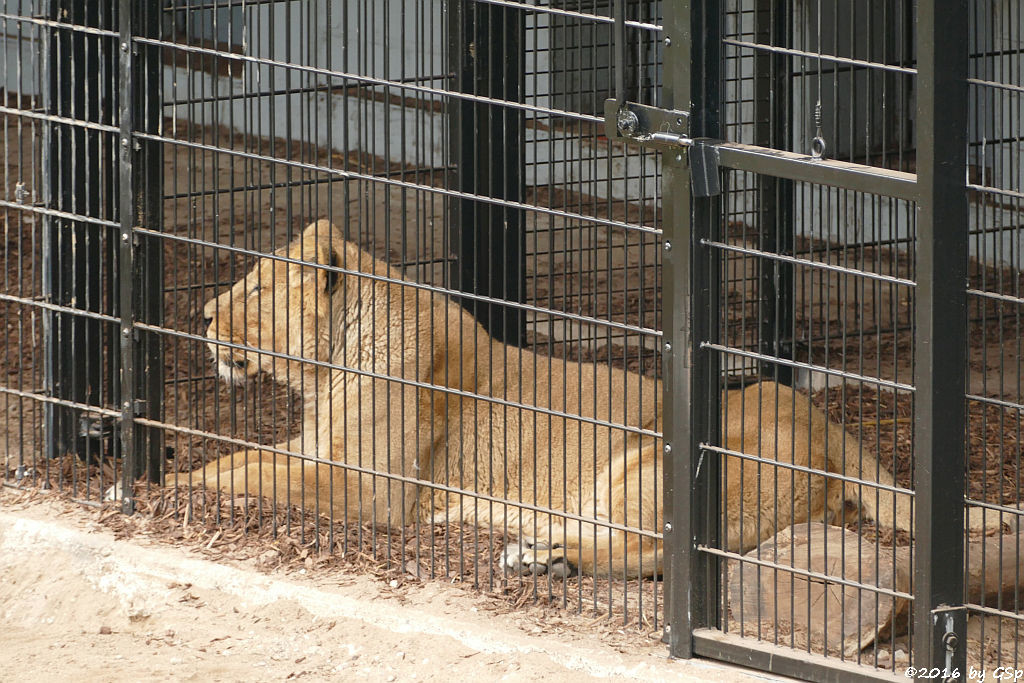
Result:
pixel 668 41
pixel 627 122
pixel 950 641
pixel 668 448
pixel 668 246
pixel 124 237
pixel 124 142
pixel 126 406
pixel 668 527
pixel 124 47
pixel 668 347
pixel 679 157
pixel 125 331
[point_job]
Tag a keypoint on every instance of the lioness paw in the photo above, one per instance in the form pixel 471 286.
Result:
pixel 525 557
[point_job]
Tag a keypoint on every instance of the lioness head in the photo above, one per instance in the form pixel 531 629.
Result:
pixel 282 306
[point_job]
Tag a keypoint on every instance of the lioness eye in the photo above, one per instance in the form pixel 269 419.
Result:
pixel 254 290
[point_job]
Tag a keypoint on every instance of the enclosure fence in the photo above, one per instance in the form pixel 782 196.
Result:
pixel 703 317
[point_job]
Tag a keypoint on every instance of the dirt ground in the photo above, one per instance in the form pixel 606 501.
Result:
pixel 77 603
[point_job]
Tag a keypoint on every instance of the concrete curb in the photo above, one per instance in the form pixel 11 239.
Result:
pixel 138 576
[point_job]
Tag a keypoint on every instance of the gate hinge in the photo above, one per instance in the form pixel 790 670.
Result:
pixel 667 130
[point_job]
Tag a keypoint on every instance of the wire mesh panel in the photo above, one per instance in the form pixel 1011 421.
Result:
pixel 832 450
pixel 432 313
pixel 817 288
pixel 61 210
pixel 994 400
pixel 347 273
pixel 835 382
pixel 23 354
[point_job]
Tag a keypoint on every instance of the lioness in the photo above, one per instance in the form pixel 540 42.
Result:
pixel 401 380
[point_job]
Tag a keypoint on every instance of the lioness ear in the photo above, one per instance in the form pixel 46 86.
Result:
pixel 333 276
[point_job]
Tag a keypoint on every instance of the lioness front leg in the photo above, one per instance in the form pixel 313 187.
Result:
pixel 256 472
pixel 282 478
pixel 219 473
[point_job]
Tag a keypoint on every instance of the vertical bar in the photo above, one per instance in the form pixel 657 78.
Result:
pixel 149 176
pixel 71 249
pixel 53 416
pixel 486 55
pixel 940 338
pixel 619 46
pixel 126 267
pixel 139 262
pixel 773 128
pixel 690 285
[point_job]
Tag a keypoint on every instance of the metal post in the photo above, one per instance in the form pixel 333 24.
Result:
pixel 692 394
pixel 72 255
pixel 149 179
pixel 139 262
pixel 487 149
pixel 773 114
pixel 940 349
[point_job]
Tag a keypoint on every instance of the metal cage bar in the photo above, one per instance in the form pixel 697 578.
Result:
pixel 940 351
pixel 692 396
pixel 139 260
pixel 487 149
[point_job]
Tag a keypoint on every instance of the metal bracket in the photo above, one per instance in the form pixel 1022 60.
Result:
pixel 704 169
pixel 949 624
pixel 666 130
pixel 648 126
pixel 93 426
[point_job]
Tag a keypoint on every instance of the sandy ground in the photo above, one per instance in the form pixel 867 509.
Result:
pixel 75 603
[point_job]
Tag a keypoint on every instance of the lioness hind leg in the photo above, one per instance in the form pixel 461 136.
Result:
pixel 536 557
pixel 625 497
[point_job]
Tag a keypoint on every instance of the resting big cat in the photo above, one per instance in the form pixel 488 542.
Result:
pixel 401 380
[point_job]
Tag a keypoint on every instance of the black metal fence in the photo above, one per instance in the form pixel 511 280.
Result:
pixel 456 369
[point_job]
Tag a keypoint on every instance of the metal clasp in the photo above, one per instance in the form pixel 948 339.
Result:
pixel 667 130
pixel 648 126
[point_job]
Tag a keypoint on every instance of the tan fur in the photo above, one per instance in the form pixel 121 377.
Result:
pixel 376 328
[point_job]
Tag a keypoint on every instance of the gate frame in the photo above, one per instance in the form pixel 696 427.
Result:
pixel 694 600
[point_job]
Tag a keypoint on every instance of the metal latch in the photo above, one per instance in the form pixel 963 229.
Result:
pixel 648 126
pixel 666 130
